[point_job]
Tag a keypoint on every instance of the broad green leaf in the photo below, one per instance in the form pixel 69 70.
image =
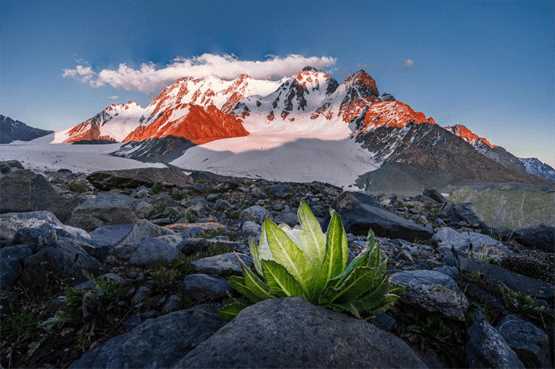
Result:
pixel 312 237
pixel 231 310
pixel 239 285
pixel 337 248
pixel 355 285
pixel 287 254
pixel 360 260
pixel 253 247
pixel 279 279
pixel 254 283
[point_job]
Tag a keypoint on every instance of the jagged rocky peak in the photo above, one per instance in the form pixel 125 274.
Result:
pixel 469 136
pixel 362 84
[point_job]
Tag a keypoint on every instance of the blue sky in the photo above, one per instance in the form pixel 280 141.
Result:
pixel 488 64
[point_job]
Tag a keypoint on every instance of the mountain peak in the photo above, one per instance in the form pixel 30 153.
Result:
pixel 362 83
pixel 466 134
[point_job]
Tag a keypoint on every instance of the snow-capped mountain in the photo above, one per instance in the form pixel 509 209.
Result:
pixel 302 128
pixel 112 124
pixel 538 168
pixel 15 130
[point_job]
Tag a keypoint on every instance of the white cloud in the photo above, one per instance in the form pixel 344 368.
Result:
pixel 114 97
pixel 408 62
pixel 149 77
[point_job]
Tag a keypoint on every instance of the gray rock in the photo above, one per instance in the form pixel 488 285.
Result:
pixel 292 333
pixel 432 291
pixel 529 342
pixel 103 209
pixel 155 344
pixel 280 190
pixel 360 213
pixel 250 228
pixel 473 244
pixel 24 190
pixel 171 304
pixel 222 264
pixel 254 213
pixel 486 347
pixel 460 213
pixel 287 217
pixel 204 287
pixel 65 257
pixel 11 258
pixel 110 235
pixel 151 251
pixel 434 195
pixel 540 237
pixel 141 230
pixel 36 227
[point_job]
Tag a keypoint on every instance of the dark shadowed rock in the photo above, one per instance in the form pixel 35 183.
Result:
pixel 434 195
pixel 292 333
pixel 103 209
pixel 540 237
pixel 530 343
pixel 156 343
pixel 254 213
pixel 360 212
pixel 11 258
pixel 432 291
pixel 65 257
pixel 204 287
pixel 516 282
pixel 460 214
pixel 132 178
pixel 471 243
pixel 24 190
pixel 486 347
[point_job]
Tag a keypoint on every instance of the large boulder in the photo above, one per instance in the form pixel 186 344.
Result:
pixel 292 333
pixel 540 237
pixel 433 291
pixel 474 244
pixel 104 208
pixel 156 343
pixel 132 178
pixel 151 251
pixel 254 213
pixel 35 227
pixel 360 213
pixel 530 343
pixel 23 190
pixel 486 347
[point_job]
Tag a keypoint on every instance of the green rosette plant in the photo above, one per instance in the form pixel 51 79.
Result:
pixel 315 265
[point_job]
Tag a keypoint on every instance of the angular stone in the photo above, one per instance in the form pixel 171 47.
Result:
pixel 11 258
pixel 204 287
pixel 102 209
pixel 540 237
pixel 432 291
pixel 222 264
pixel 254 213
pixel 360 213
pixel 476 245
pixel 486 347
pixel 529 342
pixel 156 344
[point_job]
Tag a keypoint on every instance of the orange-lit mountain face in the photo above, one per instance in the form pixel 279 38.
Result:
pixel 469 136
pixel 194 123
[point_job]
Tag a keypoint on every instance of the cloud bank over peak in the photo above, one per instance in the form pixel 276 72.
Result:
pixel 149 77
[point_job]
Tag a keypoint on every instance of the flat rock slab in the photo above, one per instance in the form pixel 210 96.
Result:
pixel 432 291
pixel 360 213
pixel 292 333
pixel 222 264
pixel 132 178
pixel 156 344
pixel 514 281
pixel 471 243
pixel 204 287
pixel 105 208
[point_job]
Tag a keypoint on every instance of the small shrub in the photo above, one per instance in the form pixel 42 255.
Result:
pixel 156 188
pixel 306 262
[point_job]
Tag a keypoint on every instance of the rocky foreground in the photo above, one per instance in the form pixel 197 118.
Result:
pixel 127 269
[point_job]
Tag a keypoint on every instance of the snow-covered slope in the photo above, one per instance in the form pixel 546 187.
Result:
pixel 40 154
pixel 112 124
pixel 538 168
